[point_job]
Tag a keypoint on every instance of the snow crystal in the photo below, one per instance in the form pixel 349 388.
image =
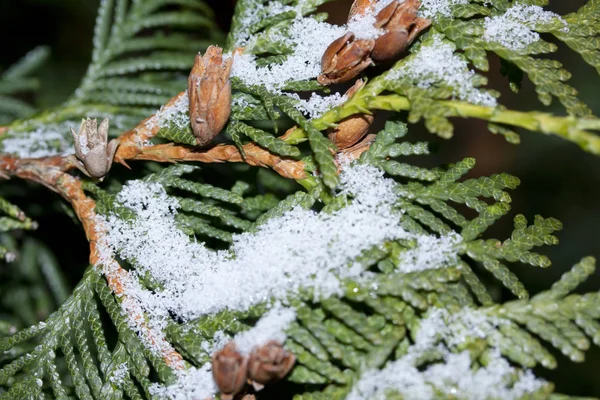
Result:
pixel 435 63
pixel 455 328
pixel 271 326
pixel 455 375
pixel 119 374
pixel 317 105
pixel 43 141
pixel 198 281
pixel 192 383
pixel 513 29
pixel 363 26
pixel 176 114
pixel 430 252
pixel 433 8
pixel 380 5
pixel 309 38
pixel 219 340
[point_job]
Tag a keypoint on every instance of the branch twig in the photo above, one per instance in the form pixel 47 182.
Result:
pixel 51 172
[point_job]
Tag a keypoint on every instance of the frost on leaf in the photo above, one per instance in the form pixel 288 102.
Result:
pixel 306 39
pixel 42 141
pixel 199 281
pixel 433 8
pixel 455 373
pixel 514 28
pixel 436 64
pixel 176 114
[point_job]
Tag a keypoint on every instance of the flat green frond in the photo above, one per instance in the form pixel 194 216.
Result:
pixel 384 265
pixel 156 38
pixel 16 81
pixel 266 140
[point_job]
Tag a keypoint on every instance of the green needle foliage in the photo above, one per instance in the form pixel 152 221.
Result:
pixel 17 80
pixel 58 342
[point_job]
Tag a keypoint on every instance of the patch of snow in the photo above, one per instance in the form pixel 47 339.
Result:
pixel 270 326
pixel 254 13
pixel 44 141
pixel 118 376
pixel 192 383
pixel 436 63
pixel 430 252
pixel 197 281
pixel 513 29
pixel 219 340
pixel 318 105
pixel 433 8
pixel 456 374
pixel 177 114
pixel 135 300
pixel 309 38
pixel 363 26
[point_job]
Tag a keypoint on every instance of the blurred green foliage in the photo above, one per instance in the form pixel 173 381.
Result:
pixel 558 178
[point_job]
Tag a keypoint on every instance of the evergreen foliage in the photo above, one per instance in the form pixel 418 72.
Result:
pixel 87 342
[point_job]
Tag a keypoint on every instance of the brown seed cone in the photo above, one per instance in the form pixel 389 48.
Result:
pixel 269 363
pixel 401 24
pixel 209 92
pixel 229 370
pixel 350 130
pixel 360 7
pixel 345 58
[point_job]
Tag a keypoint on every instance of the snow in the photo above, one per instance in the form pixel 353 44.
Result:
pixel 119 374
pixel 195 280
pixel 135 299
pixel 363 26
pixel 176 114
pixel 271 326
pixel 303 248
pixel 40 139
pixel 309 39
pixel 197 382
pixel 317 105
pixel 513 29
pixel 192 383
pixel 199 281
pixel 456 374
pixel 436 64
pixel 43 141
pixel 433 8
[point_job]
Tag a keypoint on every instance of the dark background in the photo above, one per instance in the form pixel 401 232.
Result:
pixel 558 179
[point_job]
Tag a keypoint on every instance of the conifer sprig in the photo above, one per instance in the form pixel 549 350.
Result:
pixel 382 274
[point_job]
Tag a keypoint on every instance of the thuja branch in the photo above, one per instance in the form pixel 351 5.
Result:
pixel 51 172
pixel 370 98
pixel 133 147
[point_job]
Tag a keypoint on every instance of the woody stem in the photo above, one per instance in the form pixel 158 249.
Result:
pixel 51 173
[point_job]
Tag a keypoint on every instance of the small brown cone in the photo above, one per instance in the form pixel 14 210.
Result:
pixel 352 129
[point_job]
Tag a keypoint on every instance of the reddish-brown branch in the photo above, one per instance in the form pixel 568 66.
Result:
pixel 51 172
pixel 133 146
pixel 254 155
